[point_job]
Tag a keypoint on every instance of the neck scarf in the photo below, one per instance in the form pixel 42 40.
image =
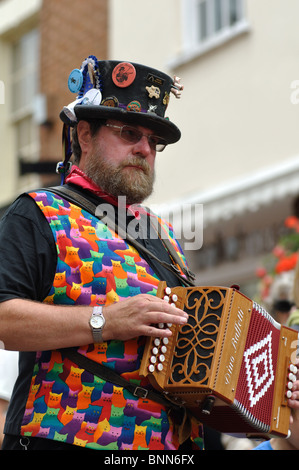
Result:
pixel 78 177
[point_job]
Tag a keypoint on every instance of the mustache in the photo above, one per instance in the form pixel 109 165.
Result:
pixel 137 161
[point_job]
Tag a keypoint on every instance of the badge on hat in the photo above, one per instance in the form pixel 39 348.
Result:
pixel 110 101
pixel 75 81
pixel 153 91
pixel 92 98
pixel 134 106
pixel 123 75
pixel 176 87
pixel 88 77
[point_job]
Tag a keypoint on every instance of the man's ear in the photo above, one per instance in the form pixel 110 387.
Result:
pixel 84 136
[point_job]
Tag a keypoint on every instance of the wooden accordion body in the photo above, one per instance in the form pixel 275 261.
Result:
pixel 230 356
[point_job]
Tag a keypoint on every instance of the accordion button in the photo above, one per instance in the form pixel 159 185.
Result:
pixel 174 297
pixel 165 340
pixel 167 291
pixel 151 368
pixel 161 325
pixel 169 325
pixel 161 358
pixel 290 385
pixel 289 394
pixel 157 342
pixel 292 377
pixel 153 359
pixel 155 351
pixel 160 367
pixel 293 368
pixel 166 298
pixel 163 349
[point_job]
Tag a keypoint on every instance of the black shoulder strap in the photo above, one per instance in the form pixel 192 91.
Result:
pixel 181 413
pixel 80 200
pixel 111 376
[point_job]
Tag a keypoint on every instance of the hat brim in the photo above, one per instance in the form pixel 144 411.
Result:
pixel 163 127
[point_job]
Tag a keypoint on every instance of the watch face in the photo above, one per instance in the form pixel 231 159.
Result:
pixel 97 322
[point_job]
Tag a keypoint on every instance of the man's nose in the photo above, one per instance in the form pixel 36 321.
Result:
pixel 143 147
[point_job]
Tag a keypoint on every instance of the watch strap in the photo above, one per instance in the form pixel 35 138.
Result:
pixel 97 332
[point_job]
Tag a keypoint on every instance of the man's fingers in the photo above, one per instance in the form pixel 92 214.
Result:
pixel 157 332
pixel 142 315
pixel 157 304
pixel 161 318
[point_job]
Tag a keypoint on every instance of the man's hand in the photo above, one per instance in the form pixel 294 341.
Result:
pixel 294 400
pixel 33 326
pixel 140 316
pixel 3 409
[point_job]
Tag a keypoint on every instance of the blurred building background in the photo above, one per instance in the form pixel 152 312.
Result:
pixel 40 43
pixel 238 158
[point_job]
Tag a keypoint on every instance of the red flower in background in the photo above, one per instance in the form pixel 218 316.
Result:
pixel 278 251
pixel 287 263
pixel 284 257
pixel 292 222
pixel 261 272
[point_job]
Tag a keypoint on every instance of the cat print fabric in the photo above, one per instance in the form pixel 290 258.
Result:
pixel 67 403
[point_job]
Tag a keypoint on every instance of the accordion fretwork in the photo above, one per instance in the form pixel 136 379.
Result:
pixel 231 364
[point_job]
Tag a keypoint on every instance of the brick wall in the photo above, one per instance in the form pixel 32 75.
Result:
pixel 71 30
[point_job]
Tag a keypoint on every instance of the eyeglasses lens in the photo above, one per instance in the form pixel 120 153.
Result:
pixel 132 135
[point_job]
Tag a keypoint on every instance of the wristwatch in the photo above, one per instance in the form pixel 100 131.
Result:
pixel 97 322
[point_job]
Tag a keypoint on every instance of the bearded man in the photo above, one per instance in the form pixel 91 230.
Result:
pixel 69 281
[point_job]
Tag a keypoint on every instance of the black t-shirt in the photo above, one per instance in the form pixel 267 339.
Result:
pixel 28 264
pixel 27 252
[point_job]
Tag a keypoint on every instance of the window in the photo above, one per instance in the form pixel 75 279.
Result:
pixel 24 89
pixel 213 16
pixel 24 70
pixel 209 23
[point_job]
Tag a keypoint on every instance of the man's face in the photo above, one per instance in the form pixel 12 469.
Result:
pixel 121 168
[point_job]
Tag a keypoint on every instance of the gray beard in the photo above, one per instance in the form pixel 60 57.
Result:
pixel 135 184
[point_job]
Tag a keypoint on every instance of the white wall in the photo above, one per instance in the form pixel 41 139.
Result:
pixel 235 114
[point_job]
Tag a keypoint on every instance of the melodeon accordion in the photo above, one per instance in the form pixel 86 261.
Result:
pixel 231 365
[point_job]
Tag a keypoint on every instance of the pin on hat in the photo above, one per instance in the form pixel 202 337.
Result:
pixel 75 81
pixel 124 74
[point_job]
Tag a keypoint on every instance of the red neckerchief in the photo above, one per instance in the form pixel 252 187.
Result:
pixel 79 178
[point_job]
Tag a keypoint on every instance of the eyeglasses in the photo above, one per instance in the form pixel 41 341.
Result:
pixel 133 136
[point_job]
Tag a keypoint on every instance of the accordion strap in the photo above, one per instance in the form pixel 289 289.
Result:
pixel 76 198
pixel 111 376
pixel 178 412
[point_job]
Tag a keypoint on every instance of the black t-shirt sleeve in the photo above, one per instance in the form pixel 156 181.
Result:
pixel 28 254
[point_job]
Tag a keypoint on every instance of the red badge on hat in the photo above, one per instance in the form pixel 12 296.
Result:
pixel 123 74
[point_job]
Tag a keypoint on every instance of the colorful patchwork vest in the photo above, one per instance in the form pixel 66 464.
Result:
pixel 67 403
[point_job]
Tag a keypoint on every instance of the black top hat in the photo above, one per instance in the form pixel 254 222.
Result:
pixel 125 91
